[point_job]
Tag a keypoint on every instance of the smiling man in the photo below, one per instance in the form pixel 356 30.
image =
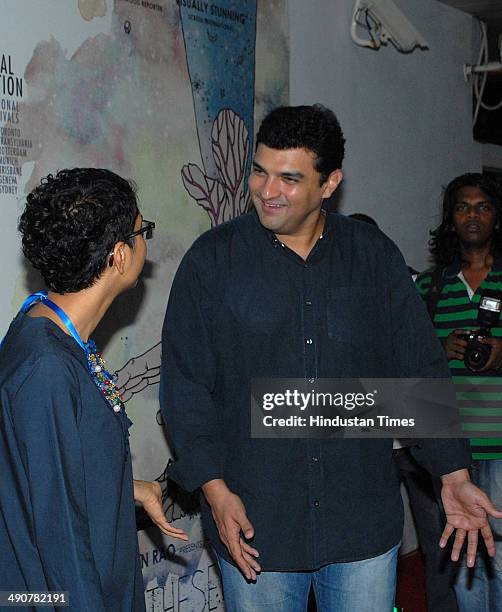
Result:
pixel 287 190
pixel 290 292
pixel 467 250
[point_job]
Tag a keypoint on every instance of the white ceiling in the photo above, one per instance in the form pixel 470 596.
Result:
pixel 487 10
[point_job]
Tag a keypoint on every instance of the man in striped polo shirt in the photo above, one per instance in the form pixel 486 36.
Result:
pixel 467 251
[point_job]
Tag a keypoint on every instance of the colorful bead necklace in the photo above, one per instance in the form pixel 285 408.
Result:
pixel 95 362
pixel 102 378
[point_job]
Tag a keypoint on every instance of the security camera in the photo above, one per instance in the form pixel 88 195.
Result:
pixel 384 22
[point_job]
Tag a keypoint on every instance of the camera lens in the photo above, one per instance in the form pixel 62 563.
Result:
pixel 475 357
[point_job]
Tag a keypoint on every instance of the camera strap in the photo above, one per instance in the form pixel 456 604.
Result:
pixel 437 284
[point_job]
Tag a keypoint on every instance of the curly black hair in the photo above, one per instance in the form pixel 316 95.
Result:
pixel 444 244
pixel 71 223
pixel 314 128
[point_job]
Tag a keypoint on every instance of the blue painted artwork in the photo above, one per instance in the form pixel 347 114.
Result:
pixel 220 50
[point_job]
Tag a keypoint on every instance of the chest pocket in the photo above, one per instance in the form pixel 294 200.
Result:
pixel 351 313
pixel 260 308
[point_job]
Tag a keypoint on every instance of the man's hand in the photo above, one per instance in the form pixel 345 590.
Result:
pixel 466 509
pixel 230 518
pixel 149 495
pixel 455 345
pixel 495 360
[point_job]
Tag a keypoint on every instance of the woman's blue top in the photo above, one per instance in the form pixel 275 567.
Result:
pixel 67 519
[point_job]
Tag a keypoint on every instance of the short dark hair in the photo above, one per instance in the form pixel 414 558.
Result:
pixel 71 223
pixel 314 128
pixel 444 244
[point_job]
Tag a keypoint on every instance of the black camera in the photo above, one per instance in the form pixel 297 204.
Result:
pixel 476 353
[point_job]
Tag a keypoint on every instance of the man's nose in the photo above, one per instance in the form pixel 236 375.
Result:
pixel 271 188
pixel 473 210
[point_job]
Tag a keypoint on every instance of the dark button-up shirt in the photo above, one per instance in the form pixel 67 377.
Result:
pixel 244 306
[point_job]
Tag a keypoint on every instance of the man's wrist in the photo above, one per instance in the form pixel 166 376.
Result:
pixel 456 477
pixel 214 487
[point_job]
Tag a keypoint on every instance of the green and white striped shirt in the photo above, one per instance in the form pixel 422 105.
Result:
pixel 479 395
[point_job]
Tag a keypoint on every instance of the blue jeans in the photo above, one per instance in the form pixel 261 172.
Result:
pixel 365 586
pixel 480 589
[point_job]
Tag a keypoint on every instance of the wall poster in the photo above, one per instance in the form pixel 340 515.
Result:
pixel 169 94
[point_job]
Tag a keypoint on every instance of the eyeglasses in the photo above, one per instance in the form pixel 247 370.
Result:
pixel 479 207
pixel 146 228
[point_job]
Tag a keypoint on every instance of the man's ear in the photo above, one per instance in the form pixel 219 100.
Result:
pixel 118 257
pixel 331 183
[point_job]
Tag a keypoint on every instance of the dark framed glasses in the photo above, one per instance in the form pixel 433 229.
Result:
pixel 146 228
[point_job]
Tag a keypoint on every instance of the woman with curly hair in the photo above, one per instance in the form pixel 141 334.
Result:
pixel 67 516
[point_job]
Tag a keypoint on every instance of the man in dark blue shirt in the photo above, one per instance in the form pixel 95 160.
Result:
pixel 289 292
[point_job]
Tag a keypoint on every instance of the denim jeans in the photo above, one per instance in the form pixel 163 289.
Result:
pixel 480 589
pixel 365 586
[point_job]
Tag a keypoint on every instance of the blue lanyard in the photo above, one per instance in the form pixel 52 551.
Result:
pixel 41 296
pixel 88 348
pixel 90 352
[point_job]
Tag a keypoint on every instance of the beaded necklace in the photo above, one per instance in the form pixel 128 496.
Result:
pixel 95 362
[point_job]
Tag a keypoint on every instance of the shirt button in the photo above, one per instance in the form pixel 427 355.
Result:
pixel 309 341
pixel 315 459
pixel 308 303
pixel 316 503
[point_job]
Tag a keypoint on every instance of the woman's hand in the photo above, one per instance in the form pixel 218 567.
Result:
pixel 149 495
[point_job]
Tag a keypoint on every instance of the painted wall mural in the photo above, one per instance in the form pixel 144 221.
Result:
pixel 221 64
pixel 223 197
pixel 168 93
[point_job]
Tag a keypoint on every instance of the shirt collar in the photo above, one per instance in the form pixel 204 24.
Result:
pixel 327 232
pixel 456 266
